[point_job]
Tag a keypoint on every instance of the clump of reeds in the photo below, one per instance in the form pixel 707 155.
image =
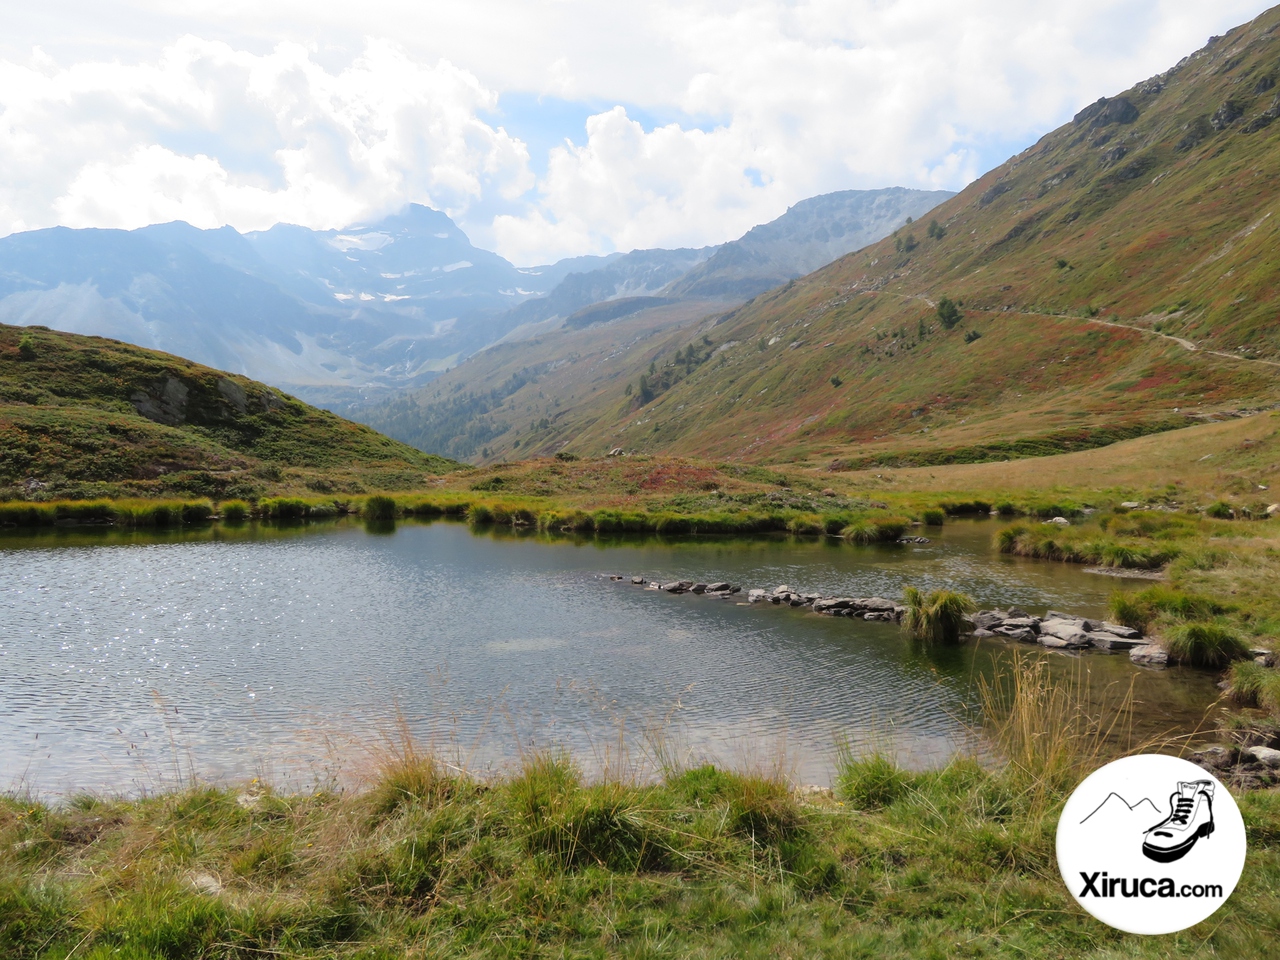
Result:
pixel 160 513
pixel 234 511
pixel 283 508
pixel 936 618
pixel 806 524
pixel 378 508
pixel 875 529
pixel 28 514
pixel 933 516
pixel 1083 546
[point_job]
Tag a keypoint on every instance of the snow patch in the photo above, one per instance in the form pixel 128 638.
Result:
pixel 360 241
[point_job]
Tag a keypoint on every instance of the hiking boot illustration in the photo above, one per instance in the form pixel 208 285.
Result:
pixel 1191 818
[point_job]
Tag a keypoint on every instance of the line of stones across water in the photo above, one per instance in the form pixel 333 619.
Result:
pixel 1054 631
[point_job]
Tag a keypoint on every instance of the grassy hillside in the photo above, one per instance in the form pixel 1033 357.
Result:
pixel 1115 279
pixel 83 416
pixel 520 398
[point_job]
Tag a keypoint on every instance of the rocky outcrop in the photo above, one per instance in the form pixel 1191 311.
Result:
pixel 1241 767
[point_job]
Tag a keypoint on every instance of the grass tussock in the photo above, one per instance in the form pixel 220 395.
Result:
pixel 1254 685
pixel 1205 645
pixel 378 508
pixel 234 511
pixel 937 618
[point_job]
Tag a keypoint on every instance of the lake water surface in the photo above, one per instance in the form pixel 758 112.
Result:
pixel 129 661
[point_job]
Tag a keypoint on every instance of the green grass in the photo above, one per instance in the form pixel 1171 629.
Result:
pixel 70 415
pixel 1205 645
pixel 1085 544
pixel 1252 684
pixel 937 618
pixel 379 508
pixel 703 862
pixel 234 511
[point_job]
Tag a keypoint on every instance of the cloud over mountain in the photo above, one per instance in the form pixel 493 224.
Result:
pixel 664 124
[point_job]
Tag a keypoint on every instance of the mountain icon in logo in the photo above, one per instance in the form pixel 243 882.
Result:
pixel 1117 807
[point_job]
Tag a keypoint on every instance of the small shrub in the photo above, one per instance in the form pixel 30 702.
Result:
pixel 1221 510
pixel 379 508
pixel 936 618
pixel 27 347
pixel 933 516
pixel 972 335
pixel 566 457
pixel 836 381
pixel 1205 645
pixel 490 484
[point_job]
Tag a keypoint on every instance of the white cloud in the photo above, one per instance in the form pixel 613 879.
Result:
pixel 214 135
pixel 296 114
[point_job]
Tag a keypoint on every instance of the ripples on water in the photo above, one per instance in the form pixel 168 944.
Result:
pixel 131 661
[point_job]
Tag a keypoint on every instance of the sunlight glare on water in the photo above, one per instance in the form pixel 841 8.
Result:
pixel 133 661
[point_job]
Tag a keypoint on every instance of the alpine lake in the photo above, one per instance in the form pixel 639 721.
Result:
pixel 131 662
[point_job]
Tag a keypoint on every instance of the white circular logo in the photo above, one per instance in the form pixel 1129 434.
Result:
pixel 1151 844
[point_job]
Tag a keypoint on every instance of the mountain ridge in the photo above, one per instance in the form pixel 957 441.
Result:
pixel 1076 272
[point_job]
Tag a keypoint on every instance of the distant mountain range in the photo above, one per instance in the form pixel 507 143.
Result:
pixel 338 316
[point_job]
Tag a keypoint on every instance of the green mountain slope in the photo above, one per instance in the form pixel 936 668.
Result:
pixel 1116 278
pixel 86 415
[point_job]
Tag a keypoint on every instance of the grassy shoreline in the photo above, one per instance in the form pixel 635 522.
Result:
pixel 692 861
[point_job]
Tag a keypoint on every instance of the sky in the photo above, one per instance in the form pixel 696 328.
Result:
pixel 545 128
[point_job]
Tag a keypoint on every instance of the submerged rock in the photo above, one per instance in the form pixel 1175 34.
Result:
pixel 1149 654
pixel 1109 641
pixel 1021 634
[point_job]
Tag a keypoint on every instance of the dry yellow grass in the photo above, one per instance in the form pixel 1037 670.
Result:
pixel 1234 457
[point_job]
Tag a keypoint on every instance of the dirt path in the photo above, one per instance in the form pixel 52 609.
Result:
pixel 1185 344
